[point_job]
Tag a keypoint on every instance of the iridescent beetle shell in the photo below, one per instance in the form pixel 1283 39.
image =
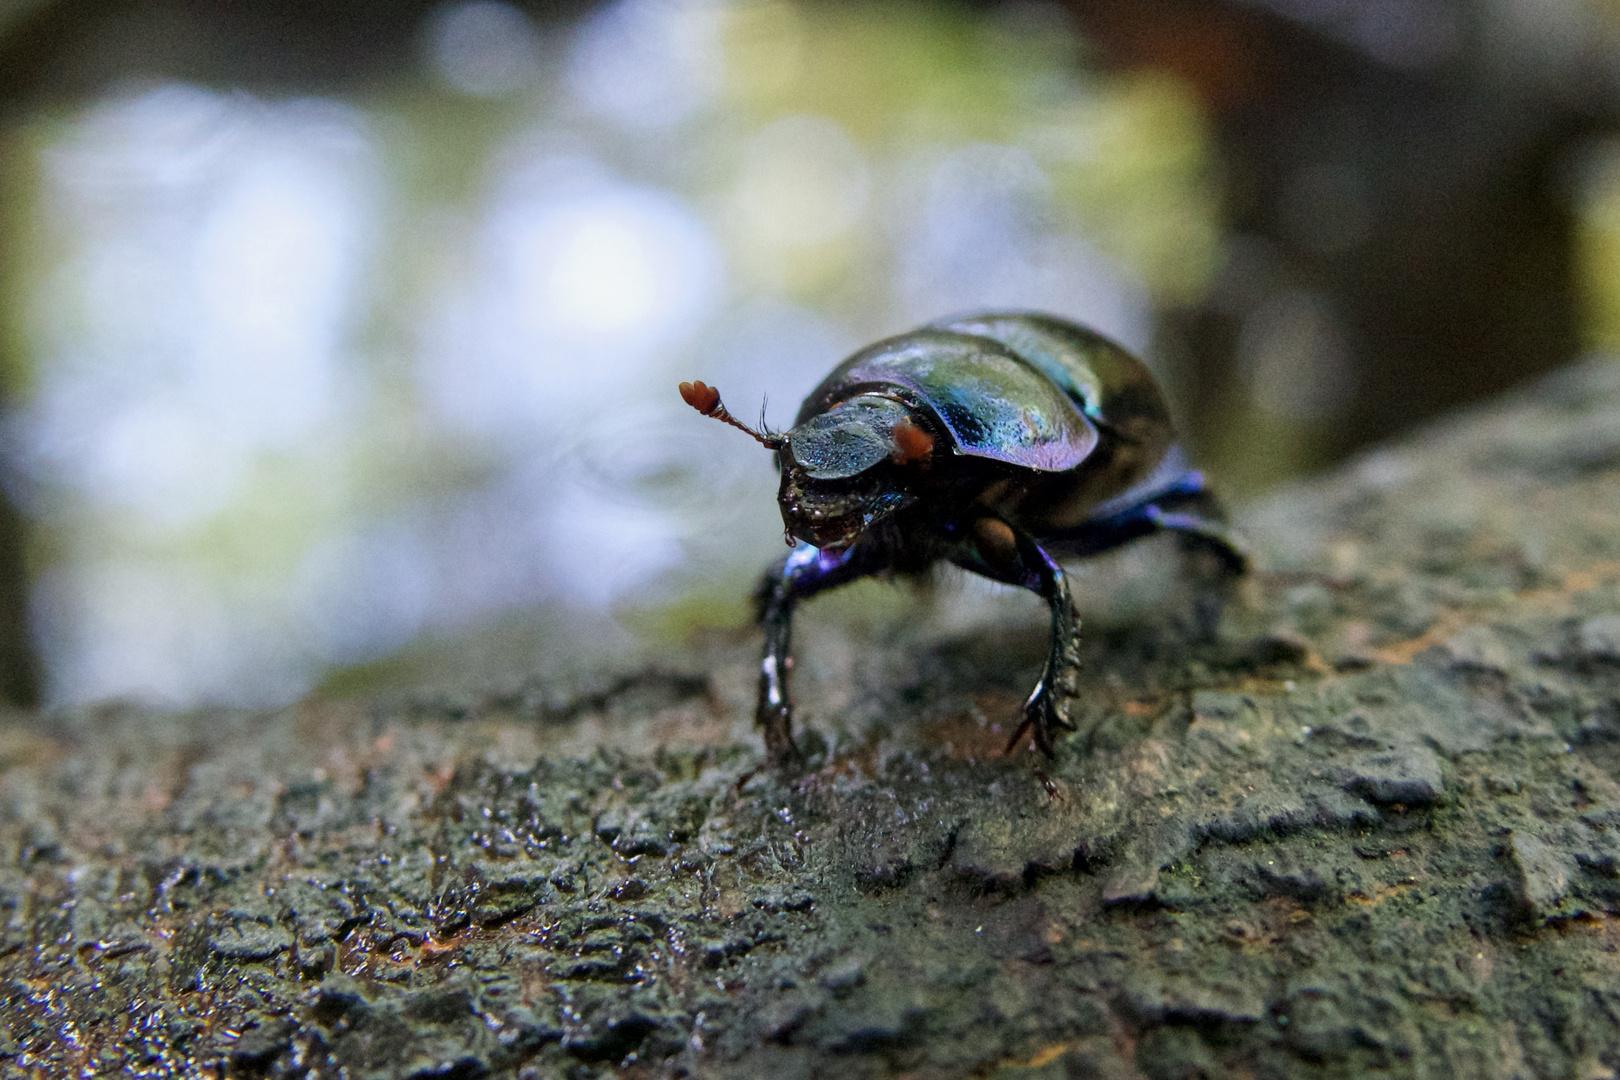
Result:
pixel 993 403
pixel 997 441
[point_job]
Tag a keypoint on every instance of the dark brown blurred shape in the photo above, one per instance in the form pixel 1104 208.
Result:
pixel 1404 164
pixel 65 50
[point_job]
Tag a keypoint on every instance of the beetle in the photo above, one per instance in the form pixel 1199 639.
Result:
pixel 997 441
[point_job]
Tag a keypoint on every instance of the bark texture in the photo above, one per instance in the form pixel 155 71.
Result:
pixel 1374 829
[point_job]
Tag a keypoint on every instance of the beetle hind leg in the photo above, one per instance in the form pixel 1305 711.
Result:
pixel 1214 558
pixel 1183 506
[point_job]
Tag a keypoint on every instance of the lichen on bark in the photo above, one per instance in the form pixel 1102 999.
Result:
pixel 1373 829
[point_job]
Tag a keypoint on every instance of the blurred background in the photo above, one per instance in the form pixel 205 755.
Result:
pixel 327 329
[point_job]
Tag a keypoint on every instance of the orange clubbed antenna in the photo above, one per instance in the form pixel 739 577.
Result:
pixel 706 400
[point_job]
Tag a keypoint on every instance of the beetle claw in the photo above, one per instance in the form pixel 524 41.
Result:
pixel 780 749
pixel 1047 711
pixel 1012 743
pixel 1042 717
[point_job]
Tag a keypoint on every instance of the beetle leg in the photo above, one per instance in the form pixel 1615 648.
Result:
pixel 1007 554
pixel 1214 558
pixel 803 573
pixel 1184 507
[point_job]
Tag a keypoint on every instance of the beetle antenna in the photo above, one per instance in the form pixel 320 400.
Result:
pixel 706 400
pixel 764 400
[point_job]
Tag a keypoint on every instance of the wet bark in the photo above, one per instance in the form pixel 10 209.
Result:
pixel 1371 830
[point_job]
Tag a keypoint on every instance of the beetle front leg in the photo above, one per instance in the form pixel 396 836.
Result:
pixel 1003 553
pixel 805 572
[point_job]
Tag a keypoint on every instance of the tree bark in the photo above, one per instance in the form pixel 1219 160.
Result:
pixel 1372 829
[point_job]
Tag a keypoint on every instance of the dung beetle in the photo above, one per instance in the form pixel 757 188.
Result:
pixel 1000 441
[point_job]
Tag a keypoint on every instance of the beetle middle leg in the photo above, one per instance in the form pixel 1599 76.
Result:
pixel 803 573
pixel 1004 553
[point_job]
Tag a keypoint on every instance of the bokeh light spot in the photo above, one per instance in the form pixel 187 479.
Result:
pixel 803 182
pixel 483 48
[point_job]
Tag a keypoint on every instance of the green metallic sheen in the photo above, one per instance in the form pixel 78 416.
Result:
pixel 1112 387
pixel 994 403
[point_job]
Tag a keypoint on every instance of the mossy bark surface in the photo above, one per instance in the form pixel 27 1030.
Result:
pixel 1373 829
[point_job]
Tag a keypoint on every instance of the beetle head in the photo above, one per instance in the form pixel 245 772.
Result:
pixel 848 468
pixel 843 470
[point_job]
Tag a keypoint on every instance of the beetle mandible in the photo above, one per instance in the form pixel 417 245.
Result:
pixel 999 441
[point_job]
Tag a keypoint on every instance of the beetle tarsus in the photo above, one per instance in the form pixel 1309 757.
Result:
pixel 1214 577
pixel 1215 559
pixel 774 712
pixel 1046 713
pixel 1044 718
